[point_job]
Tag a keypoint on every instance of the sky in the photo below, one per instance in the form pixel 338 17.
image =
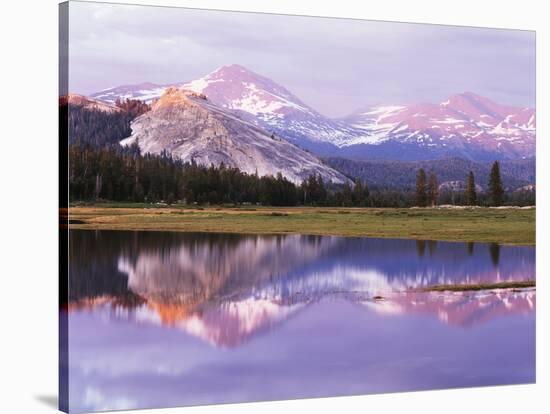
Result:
pixel 336 66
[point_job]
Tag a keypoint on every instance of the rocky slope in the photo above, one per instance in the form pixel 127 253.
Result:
pixel 255 98
pixel 465 125
pixel 192 128
pixel 271 106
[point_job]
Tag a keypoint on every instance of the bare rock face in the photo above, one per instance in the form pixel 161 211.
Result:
pixel 466 125
pixel 191 128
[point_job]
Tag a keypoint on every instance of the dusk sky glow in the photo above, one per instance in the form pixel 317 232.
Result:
pixel 335 65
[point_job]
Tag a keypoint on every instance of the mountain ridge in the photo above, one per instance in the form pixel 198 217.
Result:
pixel 191 128
pixel 466 124
pixel 88 103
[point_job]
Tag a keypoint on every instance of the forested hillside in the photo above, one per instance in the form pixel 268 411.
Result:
pixel 124 174
pixel 101 169
pixel 399 175
pixel 97 127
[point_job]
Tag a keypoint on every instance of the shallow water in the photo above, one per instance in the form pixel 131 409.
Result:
pixel 161 319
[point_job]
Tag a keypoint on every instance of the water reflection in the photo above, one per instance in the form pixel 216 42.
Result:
pixel 228 288
pixel 470 247
pixel 494 249
pixel 279 302
pixel 192 267
pixel 420 247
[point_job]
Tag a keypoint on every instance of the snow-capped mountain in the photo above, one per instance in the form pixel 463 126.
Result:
pixel 146 92
pixel 271 106
pixel 465 125
pixel 256 99
pixel 192 128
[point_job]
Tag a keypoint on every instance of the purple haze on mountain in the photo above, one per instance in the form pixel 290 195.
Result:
pixel 465 125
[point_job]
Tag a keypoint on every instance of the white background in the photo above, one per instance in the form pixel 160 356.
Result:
pixel 28 191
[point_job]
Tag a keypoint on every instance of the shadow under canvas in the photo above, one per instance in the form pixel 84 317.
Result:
pixel 48 400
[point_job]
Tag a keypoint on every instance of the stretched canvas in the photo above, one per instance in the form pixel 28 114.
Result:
pixel 262 207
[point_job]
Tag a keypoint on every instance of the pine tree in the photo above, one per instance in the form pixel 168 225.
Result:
pixel 421 196
pixel 347 195
pixel 97 188
pixel 496 191
pixel 471 195
pixel 433 189
pixel 359 198
pixel 321 191
pixel 304 190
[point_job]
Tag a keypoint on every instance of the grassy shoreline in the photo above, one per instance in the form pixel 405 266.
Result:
pixel 520 284
pixel 502 225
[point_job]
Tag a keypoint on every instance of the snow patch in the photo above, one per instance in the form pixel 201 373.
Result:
pixel 199 85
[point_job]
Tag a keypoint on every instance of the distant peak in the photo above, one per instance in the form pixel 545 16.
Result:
pixel 147 85
pixel 233 67
pixel 459 97
pixel 472 95
pixel 87 102
pixel 469 97
pixel 233 70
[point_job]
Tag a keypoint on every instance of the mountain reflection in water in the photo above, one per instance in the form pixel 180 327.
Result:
pixel 160 319
pixel 227 288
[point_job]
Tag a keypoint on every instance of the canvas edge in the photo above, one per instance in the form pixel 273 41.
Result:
pixel 63 241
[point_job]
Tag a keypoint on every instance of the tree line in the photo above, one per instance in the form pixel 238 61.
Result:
pixel 118 173
pixel 100 169
pixel 124 174
pixel 427 190
pixel 401 175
